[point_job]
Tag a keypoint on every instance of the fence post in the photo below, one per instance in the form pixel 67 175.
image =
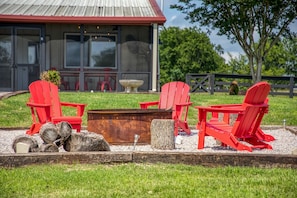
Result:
pixel 188 80
pixel 211 83
pixel 291 88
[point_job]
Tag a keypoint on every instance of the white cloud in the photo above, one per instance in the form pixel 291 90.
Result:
pixel 176 18
pixel 233 54
pixel 173 18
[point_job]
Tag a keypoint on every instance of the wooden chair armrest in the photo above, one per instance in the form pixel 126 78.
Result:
pixel 215 115
pixel 145 105
pixel 178 109
pixel 202 112
pixel 32 104
pixel 79 107
pixel 220 110
pixel 226 106
pixel 69 104
pixel 184 104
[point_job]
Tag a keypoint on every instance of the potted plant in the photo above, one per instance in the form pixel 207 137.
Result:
pixel 52 76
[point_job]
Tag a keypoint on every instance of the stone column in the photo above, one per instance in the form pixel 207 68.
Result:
pixel 162 134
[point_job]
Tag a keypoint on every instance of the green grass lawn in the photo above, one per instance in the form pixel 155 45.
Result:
pixel 15 113
pixel 146 180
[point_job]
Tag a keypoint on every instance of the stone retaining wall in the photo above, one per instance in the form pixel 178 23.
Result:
pixel 204 159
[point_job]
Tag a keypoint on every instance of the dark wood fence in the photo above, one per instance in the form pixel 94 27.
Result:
pixel 280 85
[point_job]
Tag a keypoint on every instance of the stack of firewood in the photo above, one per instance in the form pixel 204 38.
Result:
pixel 61 135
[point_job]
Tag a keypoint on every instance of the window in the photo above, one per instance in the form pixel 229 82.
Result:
pixel 5 50
pixel 99 51
pixel 73 51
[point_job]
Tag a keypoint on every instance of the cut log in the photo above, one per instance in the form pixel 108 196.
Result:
pixel 27 139
pixel 162 134
pixel 64 130
pixel 49 133
pixel 86 141
pixel 48 148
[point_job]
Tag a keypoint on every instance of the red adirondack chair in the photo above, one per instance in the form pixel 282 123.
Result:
pixel 174 96
pixel 45 105
pixel 106 81
pixel 244 134
pixel 255 95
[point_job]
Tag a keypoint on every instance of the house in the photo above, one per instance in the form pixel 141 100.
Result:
pixel 87 41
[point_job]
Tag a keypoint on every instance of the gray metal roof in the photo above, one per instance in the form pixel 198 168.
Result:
pixel 53 9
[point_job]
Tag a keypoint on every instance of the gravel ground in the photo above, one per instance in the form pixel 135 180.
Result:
pixel 285 143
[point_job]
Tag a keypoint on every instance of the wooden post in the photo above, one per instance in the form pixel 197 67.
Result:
pixel 162 134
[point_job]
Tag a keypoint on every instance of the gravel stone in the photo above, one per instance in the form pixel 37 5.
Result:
pixel 285 143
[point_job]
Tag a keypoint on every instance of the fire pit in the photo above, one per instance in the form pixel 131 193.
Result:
pixel 119 126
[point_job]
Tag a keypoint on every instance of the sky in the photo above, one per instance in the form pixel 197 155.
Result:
pixel 176 18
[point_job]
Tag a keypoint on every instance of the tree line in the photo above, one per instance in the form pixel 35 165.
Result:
pixel 261 28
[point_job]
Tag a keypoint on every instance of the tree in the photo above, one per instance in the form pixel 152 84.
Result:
pixel 238 65
pixel 291 47
pixel 185 51
pixel 251 23
pixel 283 57
pixel 280 60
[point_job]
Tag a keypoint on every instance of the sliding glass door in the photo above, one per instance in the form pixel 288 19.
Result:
pixel 19 56
pixel 6 59
pixel 27 56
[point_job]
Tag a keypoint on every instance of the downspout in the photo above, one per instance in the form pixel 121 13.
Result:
pixel 155 57
pixel 42 50
pixel 81 73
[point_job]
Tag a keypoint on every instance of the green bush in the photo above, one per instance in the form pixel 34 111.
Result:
pixel 51 76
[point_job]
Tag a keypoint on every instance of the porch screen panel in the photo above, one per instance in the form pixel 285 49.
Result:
pixel 103 51
pixel 27 46
pixel 99 51
pixel 73 51
pixel 5 57
pixel 136 52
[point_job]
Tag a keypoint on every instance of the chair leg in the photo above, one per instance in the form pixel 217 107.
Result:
pixel 34 129
pixel 66 85
pixel 77 86
pixel 264 137
pixel 201 136
pixel 184 126
pixel 228 139
pixel 103 86
pixel 98 87
pixel 175 128
pixel 77 127
pixel 257 143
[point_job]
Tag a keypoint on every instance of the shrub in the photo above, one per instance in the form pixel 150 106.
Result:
pixel 233 88
pixel 51 76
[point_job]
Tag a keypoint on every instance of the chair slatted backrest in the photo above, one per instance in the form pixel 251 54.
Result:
pixel 257 94
pixel 173 93
pixel 43 92
pixel 247 123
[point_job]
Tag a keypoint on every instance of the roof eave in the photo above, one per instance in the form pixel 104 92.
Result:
pixel 83 20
